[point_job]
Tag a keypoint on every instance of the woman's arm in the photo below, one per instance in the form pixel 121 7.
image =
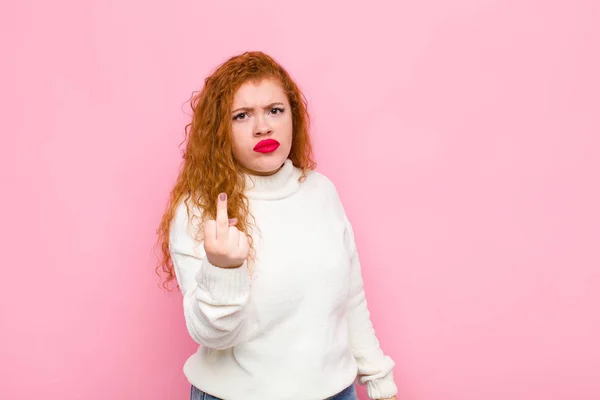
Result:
pixel 374 367
pixel 214 299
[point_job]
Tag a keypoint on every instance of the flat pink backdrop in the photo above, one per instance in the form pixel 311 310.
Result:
pixel 463 137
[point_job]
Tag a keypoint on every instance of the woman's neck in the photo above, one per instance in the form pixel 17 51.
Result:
pixel 277 185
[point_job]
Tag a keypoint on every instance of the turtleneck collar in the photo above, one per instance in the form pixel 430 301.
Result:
pixel 281 184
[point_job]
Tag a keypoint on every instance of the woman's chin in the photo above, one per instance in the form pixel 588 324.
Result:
pixel 265 167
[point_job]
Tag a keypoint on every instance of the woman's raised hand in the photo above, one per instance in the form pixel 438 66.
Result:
pixel 225 245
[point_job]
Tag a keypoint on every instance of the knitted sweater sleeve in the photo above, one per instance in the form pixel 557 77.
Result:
pixel 214 299
pixel 374 367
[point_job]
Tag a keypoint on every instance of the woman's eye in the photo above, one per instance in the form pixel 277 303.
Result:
pixel 240 116
pixel 276 110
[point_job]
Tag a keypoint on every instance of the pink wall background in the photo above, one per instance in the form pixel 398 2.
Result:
pixel 463 137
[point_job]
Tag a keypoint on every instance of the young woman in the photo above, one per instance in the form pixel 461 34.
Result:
pixel 263 252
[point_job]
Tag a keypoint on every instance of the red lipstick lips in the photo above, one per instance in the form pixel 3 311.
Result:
pixel 266 146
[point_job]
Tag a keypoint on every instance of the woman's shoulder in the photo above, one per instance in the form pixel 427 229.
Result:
pixel 185 207
pixel 323 186
pixel 320 181
pixel 186 216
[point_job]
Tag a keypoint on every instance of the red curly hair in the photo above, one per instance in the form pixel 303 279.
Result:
pixel 208 166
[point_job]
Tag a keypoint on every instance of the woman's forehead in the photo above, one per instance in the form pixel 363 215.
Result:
pixel 259 93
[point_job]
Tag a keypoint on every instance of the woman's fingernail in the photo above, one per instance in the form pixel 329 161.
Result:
pixel 223 196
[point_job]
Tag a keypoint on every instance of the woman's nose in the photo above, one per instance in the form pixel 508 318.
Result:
pixel 262 127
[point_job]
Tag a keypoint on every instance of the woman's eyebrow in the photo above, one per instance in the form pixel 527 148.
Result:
pixel 278 103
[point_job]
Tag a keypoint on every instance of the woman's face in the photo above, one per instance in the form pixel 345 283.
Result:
pixel 261 121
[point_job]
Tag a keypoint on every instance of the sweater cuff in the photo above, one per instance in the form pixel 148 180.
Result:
pixel 382 388
pixel 223 284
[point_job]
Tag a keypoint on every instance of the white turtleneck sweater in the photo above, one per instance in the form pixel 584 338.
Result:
pixel 298 326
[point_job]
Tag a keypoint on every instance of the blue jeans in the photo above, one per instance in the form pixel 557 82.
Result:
pixel 347 394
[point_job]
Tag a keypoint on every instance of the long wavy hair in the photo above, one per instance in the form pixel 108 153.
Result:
pixel 208 166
